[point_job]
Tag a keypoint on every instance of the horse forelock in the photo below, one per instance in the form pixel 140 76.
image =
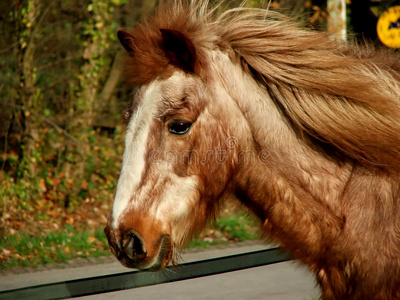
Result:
pixel 344 96
pixel 150 60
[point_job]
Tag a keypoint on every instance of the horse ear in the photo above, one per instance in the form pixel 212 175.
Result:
pixel 179 49
pixel 126 39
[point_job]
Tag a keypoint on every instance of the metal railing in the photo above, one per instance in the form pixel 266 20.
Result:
pixel 135 279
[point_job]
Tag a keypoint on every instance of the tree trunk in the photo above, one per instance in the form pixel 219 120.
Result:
pixel 27 27
pixel 337 19
pixel 112 80
pixel 82 112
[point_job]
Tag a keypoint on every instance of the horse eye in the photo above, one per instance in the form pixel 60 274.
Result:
pixel 179 127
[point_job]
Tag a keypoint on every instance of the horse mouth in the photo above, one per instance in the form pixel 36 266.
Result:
pixel 144 260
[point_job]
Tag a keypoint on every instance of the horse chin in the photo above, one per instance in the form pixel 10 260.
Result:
pixel 156 263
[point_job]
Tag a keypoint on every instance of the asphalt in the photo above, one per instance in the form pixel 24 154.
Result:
pixel 283 281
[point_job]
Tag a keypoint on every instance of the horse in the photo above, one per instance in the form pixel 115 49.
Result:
pixel 248 104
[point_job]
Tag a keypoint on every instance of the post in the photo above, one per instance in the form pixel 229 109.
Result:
pixel 337 19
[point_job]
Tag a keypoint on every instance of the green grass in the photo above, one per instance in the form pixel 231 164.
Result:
pixel 239 227
pixel 59 246
pixel 25 250
pixel 236 227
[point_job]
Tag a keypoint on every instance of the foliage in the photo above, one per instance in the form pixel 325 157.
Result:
pixel 55 246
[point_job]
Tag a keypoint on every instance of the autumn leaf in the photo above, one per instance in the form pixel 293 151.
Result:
pixel 84 185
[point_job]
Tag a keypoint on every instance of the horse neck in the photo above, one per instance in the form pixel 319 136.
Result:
pixel 294 178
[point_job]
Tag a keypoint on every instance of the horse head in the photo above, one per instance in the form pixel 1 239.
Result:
pixel 178 161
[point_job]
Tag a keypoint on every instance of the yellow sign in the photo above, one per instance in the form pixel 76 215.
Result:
pixel 388 27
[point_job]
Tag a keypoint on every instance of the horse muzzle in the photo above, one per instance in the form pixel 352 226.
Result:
pixel 135 250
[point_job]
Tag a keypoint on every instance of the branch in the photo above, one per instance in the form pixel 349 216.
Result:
pixel 50 122
pixel 112 79
pixel 39 68
pixel 5 50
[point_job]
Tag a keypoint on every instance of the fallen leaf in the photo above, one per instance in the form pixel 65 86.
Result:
pixel 6 252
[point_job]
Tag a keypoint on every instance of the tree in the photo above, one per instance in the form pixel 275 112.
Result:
pixel 29 15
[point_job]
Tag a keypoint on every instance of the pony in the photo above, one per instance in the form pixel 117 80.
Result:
pixel 247 104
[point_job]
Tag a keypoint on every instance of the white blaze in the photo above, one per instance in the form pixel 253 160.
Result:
pixel 178 195
pixel 135 147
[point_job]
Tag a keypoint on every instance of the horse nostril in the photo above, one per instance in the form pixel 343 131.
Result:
pixel 134 247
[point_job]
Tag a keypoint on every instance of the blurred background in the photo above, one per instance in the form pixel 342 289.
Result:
pixel 61 130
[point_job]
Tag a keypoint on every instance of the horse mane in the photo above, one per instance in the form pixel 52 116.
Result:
pixel 343 96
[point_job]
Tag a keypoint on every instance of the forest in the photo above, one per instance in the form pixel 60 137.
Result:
pixel 61 132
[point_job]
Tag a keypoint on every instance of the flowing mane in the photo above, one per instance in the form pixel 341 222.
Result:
pixel 345 97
